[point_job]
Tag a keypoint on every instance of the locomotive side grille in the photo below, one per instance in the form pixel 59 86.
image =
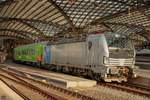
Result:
pixel 120 62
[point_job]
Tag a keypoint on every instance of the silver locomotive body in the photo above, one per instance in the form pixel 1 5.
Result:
pixel 94 54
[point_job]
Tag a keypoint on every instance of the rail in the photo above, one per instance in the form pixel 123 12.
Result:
pixel 48 95
pixel 135 89
pixel 15 90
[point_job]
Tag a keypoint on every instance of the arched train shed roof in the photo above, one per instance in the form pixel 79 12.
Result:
pixel 40 19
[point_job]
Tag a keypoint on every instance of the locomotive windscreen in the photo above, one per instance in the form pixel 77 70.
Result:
pixel 119 46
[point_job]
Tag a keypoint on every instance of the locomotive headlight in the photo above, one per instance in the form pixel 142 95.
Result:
pixel 105 60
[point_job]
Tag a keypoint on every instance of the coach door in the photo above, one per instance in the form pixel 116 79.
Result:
pixel 92 52
pixel 47 54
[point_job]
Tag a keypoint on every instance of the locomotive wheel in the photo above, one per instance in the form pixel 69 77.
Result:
pixel 38 64
pixel 97 77
pixel 130 74
pixel 91 74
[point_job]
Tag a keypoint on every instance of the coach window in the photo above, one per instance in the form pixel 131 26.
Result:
pixel 32 52
pixel 29 52
pixel 23 52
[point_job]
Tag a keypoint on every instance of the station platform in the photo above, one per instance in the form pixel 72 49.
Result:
pixel 7 93
pixel 58 79
pixel 143 65
pixel 143 73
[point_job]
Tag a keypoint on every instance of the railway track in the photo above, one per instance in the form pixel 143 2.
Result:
pixel 48 95
pixel 130 88
pixel 38 86
pixel 15 90
pixel 138 86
